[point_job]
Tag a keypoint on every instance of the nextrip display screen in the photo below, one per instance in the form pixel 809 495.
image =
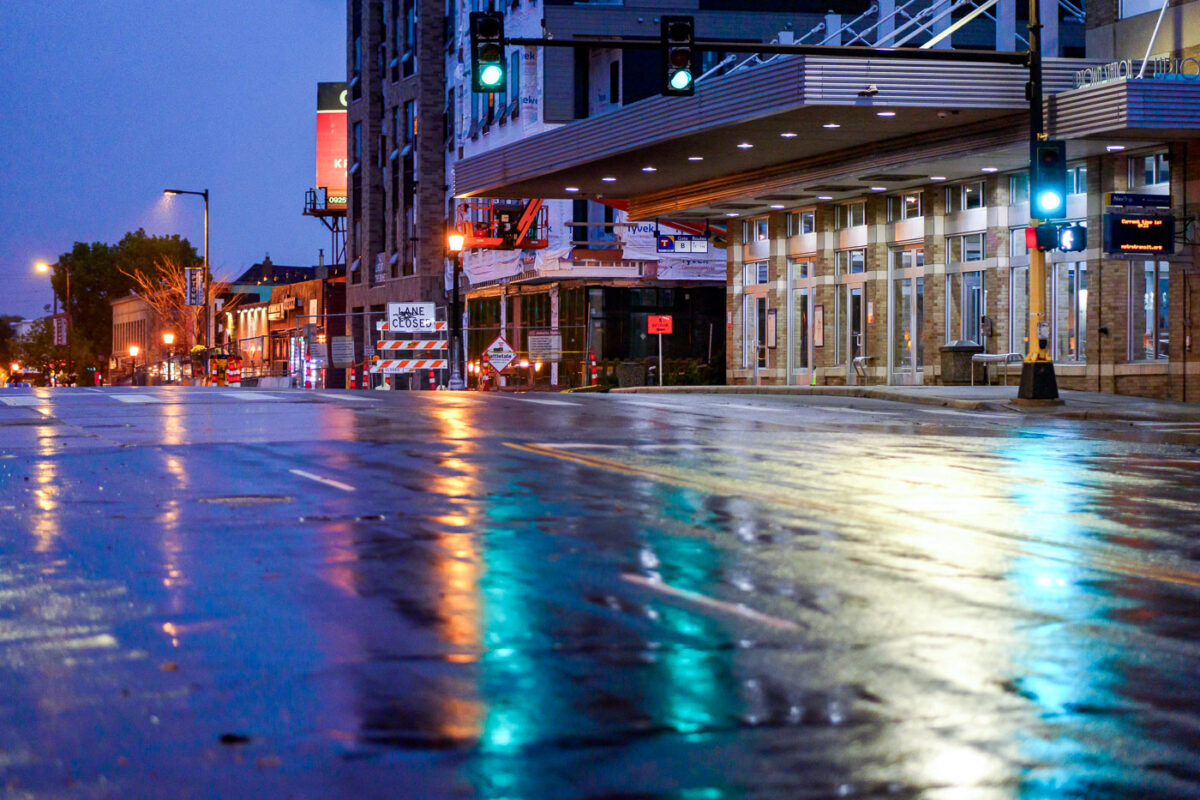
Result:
pixel 1139 234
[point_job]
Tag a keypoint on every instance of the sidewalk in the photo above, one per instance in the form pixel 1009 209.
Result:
pixel 1076 405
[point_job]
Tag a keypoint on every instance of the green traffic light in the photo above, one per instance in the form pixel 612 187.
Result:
pixel 1049 201
pixel 491 75
pixel 681 80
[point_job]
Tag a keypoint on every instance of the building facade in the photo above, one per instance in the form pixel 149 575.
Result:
pixel 396 120
pixel 878 211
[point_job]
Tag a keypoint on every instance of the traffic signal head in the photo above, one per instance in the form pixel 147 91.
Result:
pixel 679 59
pixel 1048 236
pixel 487 52
pixel 1072 238
pixel 1048 180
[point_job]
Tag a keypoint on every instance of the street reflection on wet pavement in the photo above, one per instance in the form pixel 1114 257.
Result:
pixel 439 595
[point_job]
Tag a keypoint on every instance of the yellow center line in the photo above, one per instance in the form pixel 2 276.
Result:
pixel 880 518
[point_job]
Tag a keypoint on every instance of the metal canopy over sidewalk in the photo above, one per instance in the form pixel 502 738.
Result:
pixel 688 156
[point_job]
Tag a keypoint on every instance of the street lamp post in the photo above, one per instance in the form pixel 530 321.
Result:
pixel 45 269
pixel 168 338
pixel 456 241
pixel 208 317
pixel 133 354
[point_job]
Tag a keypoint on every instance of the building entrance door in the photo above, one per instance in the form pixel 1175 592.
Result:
pixel 906 314
pixel 799 321
pixel 854 344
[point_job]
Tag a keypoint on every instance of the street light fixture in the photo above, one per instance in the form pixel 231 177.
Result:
pixel 208 317
pixel 45 269
pixel 455 241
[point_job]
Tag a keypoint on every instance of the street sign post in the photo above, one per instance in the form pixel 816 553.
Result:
pixel 499 354
pixel 659 324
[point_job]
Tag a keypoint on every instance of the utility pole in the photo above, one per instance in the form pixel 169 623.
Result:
pixel 1037 371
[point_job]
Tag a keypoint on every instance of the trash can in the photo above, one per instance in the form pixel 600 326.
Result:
pixel 631 373
pixel 956 362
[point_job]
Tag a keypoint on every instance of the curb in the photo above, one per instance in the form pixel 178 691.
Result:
pixel 961 404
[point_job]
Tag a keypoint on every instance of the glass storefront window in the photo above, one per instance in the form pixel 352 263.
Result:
pixel 1149 310
pixel 1018 341
pixel 848 262
pixel 754 273
pixel 1070 311
pixel 965 303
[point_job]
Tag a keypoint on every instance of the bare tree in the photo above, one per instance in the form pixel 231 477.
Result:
pixel 165 290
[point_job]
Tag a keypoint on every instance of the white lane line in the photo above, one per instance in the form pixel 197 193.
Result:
pixel 136 398
pixel 345 487
pixel 251 396
pixel 23 401
pixel 350 396
pixel 973 414
pixel 1168 424
pixel 838 410
pixel 544 402
pixel 719 605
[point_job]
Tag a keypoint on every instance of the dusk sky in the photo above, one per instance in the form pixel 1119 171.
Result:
pixel 105 103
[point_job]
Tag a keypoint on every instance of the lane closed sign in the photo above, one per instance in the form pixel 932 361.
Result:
pixel 410 317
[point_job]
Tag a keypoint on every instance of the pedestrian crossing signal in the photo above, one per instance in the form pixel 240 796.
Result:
pixel 487 52
pixel 679 59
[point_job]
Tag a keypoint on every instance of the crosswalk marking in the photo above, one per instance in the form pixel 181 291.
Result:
pixel 136 398
pixel 23 401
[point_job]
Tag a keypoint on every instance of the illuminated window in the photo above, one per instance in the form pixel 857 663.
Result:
pixel 904 206
pixel 965 197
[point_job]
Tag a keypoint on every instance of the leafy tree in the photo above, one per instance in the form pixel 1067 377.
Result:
pixel 99 274
pixel 7 337
pixel 35 350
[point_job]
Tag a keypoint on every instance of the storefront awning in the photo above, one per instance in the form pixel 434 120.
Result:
pixel 796 129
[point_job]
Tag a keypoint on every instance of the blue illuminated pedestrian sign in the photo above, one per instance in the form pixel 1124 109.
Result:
pixel 682 243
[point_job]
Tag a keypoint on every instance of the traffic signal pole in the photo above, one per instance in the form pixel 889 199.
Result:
pixel 1038 382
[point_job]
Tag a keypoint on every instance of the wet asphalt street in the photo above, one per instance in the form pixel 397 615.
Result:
pixel 235 593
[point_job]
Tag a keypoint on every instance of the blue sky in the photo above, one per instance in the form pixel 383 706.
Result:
pixel 105 103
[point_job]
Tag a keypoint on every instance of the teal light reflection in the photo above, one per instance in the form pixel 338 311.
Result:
pixel 1062 663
